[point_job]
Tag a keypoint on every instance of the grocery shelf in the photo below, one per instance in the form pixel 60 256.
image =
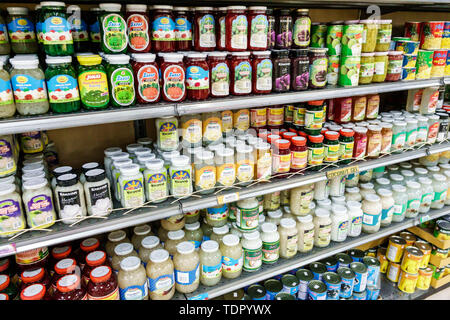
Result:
pixel 390 291
pixel 447 80
pixel 285 265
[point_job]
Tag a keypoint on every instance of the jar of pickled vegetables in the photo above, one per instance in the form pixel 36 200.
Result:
pixel 384 35
pixel 369 36
pixel 381 63
pixel 367 68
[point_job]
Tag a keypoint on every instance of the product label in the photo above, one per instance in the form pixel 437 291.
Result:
pixel 384 35
pixel 63 88
pixel 413 206
pixel 239 26
pixel 247 219
pixel 302 27
pixel 163 29
pixel 355 226
pixel 270 251
pixel 192 131
pixel 183 29
pixel 318 72
pixel 342 231
pixel 138 32
pixel 244 170
pixel 181 183
pixel 323 235
pixel 264 166
pixel 56 30
pixel 299 116
pixel 78 27
pixel 291 245
pixel 28 89
pixel 134 292
pixel 168 135
pixel 122 86
pixel 188 277
pixel 313 119
pixel 173 80
pixel 222 32
pixel 207 31
pixel 10 216
pixel 114 32
pixel 394 66
pixel 217 214
pixel 281 163
pixel 100 198
pixel 220 80
pixel 386 214
pixel 367 69
pixel 243 78
pixel 8 163
pixel 69 204
pixel 161 285
pixel 399 209
pixel 156 186
pixel 374 145
pixel 241 119
pixel 94 88
pixel 275 116
pixel 252 259
pixel 212 129
pixel 148 83
pixel 230 265
pixel 94 32
pixel 386 143
pixel 308 240
pixel 21 30
pixel 284 32
pixel 370 220
pixel 133 192
pixel 315 156
pixel 211 272
pixel 258 31
pixel 197 78
pixel 439 197
pixel 264 75
pixel 411 137
pixel 6 93
pixel 227 121
pixel 331 152
pixel 299 159
pixel 398 140
pixel 379 68
pixel 226 174
pixel 40 210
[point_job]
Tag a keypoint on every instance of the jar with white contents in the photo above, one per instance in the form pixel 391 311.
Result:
pixel 322 228
pixel 400 202
pixel 270 243
pixel 98 193
pixel 440 191
pixel 339 224
pixel 288 238
pixel 232 256
pixel 366 189
pixel 275 216
pixel 372 208
pixel 387 203
pixel 187 268
pixel 252 247
pixel 414 197
pixel 427 194
pixel 305 228
pixel 447 175
pixel 355 217
pixel 210 263
pixel 353 194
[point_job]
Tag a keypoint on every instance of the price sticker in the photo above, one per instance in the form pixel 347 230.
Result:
pixel 201 296
pixel 227 198
pixel 424 218
pixel 342 172
pixel 8 249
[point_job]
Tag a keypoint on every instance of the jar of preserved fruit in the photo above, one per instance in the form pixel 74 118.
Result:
pixel 173 78
pixel 384 35
pixel 281 71
pixel 183 29
pixel 121 81
pixel 386 133
pixel 21 31
pixel 373 106
pixel 69 288
pixel 147 81
pixel 301 29
pixel 346 145
pixel 270 29
pixel 318 64
pixel 258 28
pixel 56 34
pixel 204 29
pixel 281 156
pixel 299 69
pixel 236 25
pixel 343 110
pixel 241 74
pixel 315 151
pixel 113 29
pixel 8 108
pixel 381 64
pixel 374 141
pixel 367 68
pixel 197 76
pixel 220 16
pixel 78 28
pixel 163 29
pixel 138 29
pixel 394 66
pixel 283 29
pixel 220 74
pixel 262 69
pixel 93 82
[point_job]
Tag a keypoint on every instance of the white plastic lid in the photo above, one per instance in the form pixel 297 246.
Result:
pixel 8 180
pixel 150 242
pixel 230 240
pixel 131 148
pixel 407 173
pixel 367 185
pixel 254 235
pixel 324 203
pixel 236 8
pixel 24 64
pixel 433 169
pixel 321 212
pixel 34 184
pixel 52 4
pixel 425 180
pixel 241 54
pixel 175 235
pixel 353 204
pixel 196 55
pixel 159 255
pixel 144 57
pixel 220 54
pixel 261 53
pixel 275 214
pixel 382 181
pixel 339 209
pixel 411 120
pixel 116 236
pixel 130 263
pixel 397 177
pixel 287 223
pixel 192 226
pixel 245 149
pixel 444 166
pixel 142 230
pixel 305 219
pixel 268 227
pixel 119 59
pixel 398 188
pixel 399 123
pixel 225 152
pixel 439 177
pixel 95 256
pixel 372 197
pixel 205 155
pixel 136 7
pixel 120 156
pixel 384 192
pixel 180 161
pixel 447 173
pixel 17 10
pixel 155 164
pixel 352 190
pixel 130 169
pixel 146 158
pixel 170 154
pixel 90 165
pixel 161 7
pixel 210 246
pixel 112 151
pixel 6 189
pixel 122 163
pixel 110 7
pixel 33 167
pixel 221 230
pixel 173 57
pixel 185 247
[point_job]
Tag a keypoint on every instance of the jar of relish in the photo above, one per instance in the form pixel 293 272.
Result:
pixel 173 78
pixel 258 27
pixel 262 69
pixel 299 153
pixel 315 152
pixel 241 74
pixel 346 144
pixel 163 29
pixel 220 74
pixel 197 76
pixel 183 29
pixel 146 72
pixel 204 29
pixel 221 14
pixel 236 25
pixel 360 142
pixel 281 156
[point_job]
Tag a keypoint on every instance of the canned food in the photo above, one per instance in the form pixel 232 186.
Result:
pixel 333 283
pixel 333 39
pixel 393 271
pixel 235 295
pixel 373 270
pixel 445 44
pixel 343 259
pixel 331 264
pixel 347 282
pixel 407 281
pixel 412 30
pixel 304 276
pixel 409 237
pixel 381 256
pixel 431 36
pixel 372 252
pixel 273 287
pixel 412 259
pixel 407 47
pixel 408 73
pixel 396 246
pixel 438 273
pixel 442 230
pixel 409 61
pixel 438 63
pixel 424 64
pixel 372 292
pixel 356 255
pixel 447 64
pixel 425 247
pixel 318 269
pixel 284 296
pixel 256 292
pixel 352 38
pixel 317 290
pixel 360 295
pixel 360 271
pixel 424 280
pixel 438 252
pixel 318 35
pixel 349 71
pixel 290 284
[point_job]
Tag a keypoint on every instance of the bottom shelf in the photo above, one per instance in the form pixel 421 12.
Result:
pixel 390 291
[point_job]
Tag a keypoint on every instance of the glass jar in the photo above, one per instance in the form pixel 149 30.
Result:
pixel 241 73
pixel 398 136
pixel 13 215
pixel 252 251
pixel 121 80
pixel 197 76
pixel 53 17
pixel 373 106
pixel 414 198
pixel 339 224
pixel 147 246
pixel 8 107
pixel 346 145
pixel 236 24
pixel 352 30
pixel 156 181
pixel 387 203
pixel 301 29
pixel 232 256
pixel 433 128
pixel 187 272
pixel 315 151
pixel 281 71
pixel 220 74
pixel 372 209
pixel 355 218
pixel 247 214
pixel 283 29
pixel 93 82
pixel 160 273
pixel 264 161
pixel 381 64
pixel 384 35
pixel 113 29
pixel 305 229
pixel 262 68
pixel 194 234
pixel 271 29
pixel 369 37
pixel 225 166
pixel 440 191
pixel 258 28
pixel 360 142
pixel 180 173
pixel 299 154
pixel 270 243
pixel 447 175
pixel 318 64
pixel 343 110
pixel 147 80
pixel 38 200
pixel 353 194
pixel 400 202
pixel 137 28
pixel 205 172
pixel 21 31
pixel 70 201
pixel 173 76
pixel 386 140
pixel 281 156
pixel 374 141
pixel 204 29
pixel 394 67
pixel 443 126
pixel 211 263
pixel 359 105
pixel 131 184
pixel 122 251
pixel 411 132
pixel 183 29
pixel 427 194
pixel 132 279
pixel 322 228
pixel 163 29
pixel 299 68
pixel 288 238
pixel 219 232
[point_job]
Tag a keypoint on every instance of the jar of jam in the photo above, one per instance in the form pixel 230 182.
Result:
pixel 183 29
pixel 32 259
pixel 197 76
pixel 301 29
pixel 275 118
pixel 103 284
pixel 262 69
pixel 346 145
pixel 386 140
pixel 146 73
pixel 204 29
pixel 34 292
pixel 163 29
pixel 220 74
pixel 173 78
pixel 138 30
pixel 342 110
pixel 88 245
pixel 270 29
pixel 93 260
pixel 373 106
pixel 69 288
pixel 271 138
pixel 236 26
pixel 360 142
pixel 315 152
pixel 30 277
pixel 283 29
pixel 374 141
pixel 8 268
pixel 359 108
pixel 258 118
pixel 258 27
pixel 281 156
pixel 331 147
pixel 299 153
pixel 394 66
pixel 62 268
pixel 318 65
pixel 281 71
pixel 59 253
pixel 241 74
pixel 299 69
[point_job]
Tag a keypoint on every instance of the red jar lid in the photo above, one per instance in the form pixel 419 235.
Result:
pixel 34 292
pixel 332 135
pixel 316 139
pixel 323 130
pixel 89 244
pixel 65 266
pixel 302 134
pixel 4 264
pixel 271 138
pixel 347 132
pixel 298 141
pixel 282 144
pixel 289 135
pixel 95 258
pixel 100 274
pixel 4 296
pixel 315 102
pixel 68 283
pixel 4 281
pixel 293 130
pixel 61 252
pixel 30 276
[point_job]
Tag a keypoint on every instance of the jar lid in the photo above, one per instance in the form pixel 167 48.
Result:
pixel 395 53
pixel 353 204
pixel 378 54
pixel 282 144
pixel 58 60
pixel 4 281
pixel 89 244
pixel 210 246
pixel 180 161
pixel 68 283
pixel 17 10
pixel 271 138
pixel 321 212
pixel 372 198
pixel 116 236
pixel 339 209
pixel 425 180
pixel 120 156
pixel 241 54
pixel 7 189
pixel 173 57
pixel 254 235
pixel 262 146
pixel 439 177
pixel 65 266
pixel 407 173
pixel 386 125
pixel 196 55
pixel 34 184
pixel 175 235
pixel 332 135
pixel 161 7
pixel 180 8
pixel 261 53
pixel 59 253
pixel 399 123
pixel 316 139
pixel 155 164
pixel 384 192
pixel 150 242
pixel 95 258
pixel 349 125
pixel 130 169
pixel 413 184
pixel 34 292
pixel 421 171
pixel 122 163
pixel 142 230
pixel 411 120
pixel 280 52
pixel 367 185
pixel 110 7
pixel 338 199
pixel 399 188
pixel 236 8
pixel 30 276
pixel 225 152
pixel 8 180
pixel 185 247
pixel 305 219
pixel 67 180
pixel 352 190
pixel 131 148
pixel 136 7
pixel 221 230
pixel 95 175
pixel 382 181
pixel 396 177
pixel 100 274
pixel 217 54
pixel 159 255
pixel 33 167
pixel 324 203
pixel 268 227
pixel 205 155
pixel 192 226
pixel 130 263
pixel 89 60
pixel 447 173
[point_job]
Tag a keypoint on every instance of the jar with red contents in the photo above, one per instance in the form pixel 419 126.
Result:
pixel 258 28
pixel 271 138
pixel 62 268
pixel 146 73
pixel 330 109
pixel 30 277
pixel 282 130
pixel 275 118
pixel 236 26
pixel 281 156
pixel 258 118
pixel 32 259
pixel 183 29
pixel 59 253
pixel 241 74
pixel 288 135
pixel 69 288
pixel 103 284
pixel 220 15
pixel 34 292
pixel 204 29
pixel 197 76
pixel 86 246
pixel 219 82
pixel 299 153
pixel 9 269
pixel 138 28
pixel 342 110
pixel 173 78
pixel 394 67
pixel 93 260
pixel 163 29
pixel 360 147
pixel 262 69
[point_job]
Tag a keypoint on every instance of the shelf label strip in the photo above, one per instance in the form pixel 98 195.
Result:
pixel 8 249
pixel 342 172
pixel 201 296
pixel 227 198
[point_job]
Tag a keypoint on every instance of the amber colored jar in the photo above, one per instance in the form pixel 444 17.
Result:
pixel 183 29
pixel 30 277
pixel 359 108
pixel 281 156
pixel 299 153
pixel 163 29
pixel 197 77
pixel 204 29
pixel 275 118
pixel 146 73
pixel 221 14
pixel 258 26
pixel 86 246
pixel 62 268
pixel 360 147
pixel 373 106
pixel 374 141
pixel 93 260
pixel 262 70
pixel 258 118
pixel 219 74
pixel 342 110
pixel 173 77
pixel 236 26
pixel 103 284
pixel 138 28
pixel 386 134
pixel 69 288
pixel 240 74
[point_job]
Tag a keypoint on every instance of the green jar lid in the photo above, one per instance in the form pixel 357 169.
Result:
pixel 284 296
pixel 273 285
pixel 346 273
pixel 371 261
pixel 256 291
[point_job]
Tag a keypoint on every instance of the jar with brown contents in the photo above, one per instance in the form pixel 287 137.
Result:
pixel 374 141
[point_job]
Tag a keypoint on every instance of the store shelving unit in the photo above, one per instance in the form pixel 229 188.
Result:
pixel 390 291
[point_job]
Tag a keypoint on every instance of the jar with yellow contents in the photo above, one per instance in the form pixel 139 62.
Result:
pixel 205 172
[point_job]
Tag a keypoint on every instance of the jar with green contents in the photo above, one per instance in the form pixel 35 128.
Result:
pixel 113 29
pixel 5 47
pixel 55 30
pixel 333 69
pixel 331 147
pixel 93 82
pixel 349 71
pixel 314 116
pixel 352 38
pixel 367 68
pixel 21 30
pixel 346 142
pixel 384 35
pixel 62 84
pixel 315 152
pixel 369 36
pixel 318 35
pixel 380 71
pixel 334 37
pixel 121 81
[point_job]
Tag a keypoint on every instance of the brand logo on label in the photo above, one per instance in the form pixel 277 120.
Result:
pixel 164 21
pixel 22 22
pixel 62 79
pixel 133 185
pixel 180 175
pixel 56 20
pixel 39 203
pixel 156 178
pixel 22 79
pixel 181 22
pixel 93 76
pixel 167 127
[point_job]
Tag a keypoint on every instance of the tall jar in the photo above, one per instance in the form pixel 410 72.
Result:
pixel 400 202
pixel 288 238
pixel 258 27
pixel 173 76
pixel 381 63
pixel 38 201
pixel 93 82
pixel 132 279
pixel 147 78
pixel 372 209
pixel 121 81
pixel 13 217
pixel 299 69
pixel 398 136
pixel 113 29
pixel 283 29
pixel 427 194
pixel 70 201
pixel 197 76
pixel 355 217
pixel 305 228
pixel 205 172
pixel 160 273
pixel 204 29
pixel 187 268
pixel 322 228
pixel 367 68
pixel 252 247
pixel 387 203
pixel 262 69
pixel 138 28
pixel 180 173
pixel 220 15
pixel 236 24
pixel 271 29
pixel 369 38
pixel 281 71
pixel 247 215
pixel 241 74
pixel 21 31
pixel 339 224
pixel 318 64
pixel 167 133
pixel 301 29
pixel 8 108
pixel 384 35
pixel 156 181
pixel 225 166
pixel 374 141
pixel 131 184
pixel 220 74
pixel 163 29
pixel 270 243
pixel 232 256
pixel 386 140
pixel 211 263
pixel 440 191
pixel 414 197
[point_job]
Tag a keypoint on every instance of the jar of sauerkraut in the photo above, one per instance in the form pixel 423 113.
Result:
pixel 160 273
pixel 187 268
pixel 211 263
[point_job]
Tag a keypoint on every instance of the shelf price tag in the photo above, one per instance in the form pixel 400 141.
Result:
pixel 424 218
pixel 342 172
pixel 227 198
pixel 7 249
pixel 201 296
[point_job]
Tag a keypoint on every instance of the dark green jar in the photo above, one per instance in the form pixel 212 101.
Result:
pixel 315 151
pixel 121 81
pixel 331 147
pixel 113 29
pixel 347 142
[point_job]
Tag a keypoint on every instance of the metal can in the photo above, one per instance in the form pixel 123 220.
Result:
pixel 409 61
pixel 407 281
pixel 290 284
pixel 438 252
pixel 445 44
pixel 356 255
pixel 409 74
pixel 425 247
pixel 333 69
pixel 360 271
pixel 318 35
pixel 333 283
pixel 407 47
pixel 447 64
pixel 334 38
pixel 438 273
pixel 431 35
pixel 347 282
pixel 409 237
pixel 384 262
pixel 442 230
pixel 371 252
pixel 235 295
pixel 393 271
pixel 396 246
pixel 304 276
pixel 423 64
pixel 284 296
pixel 412 30
pixel 373 270
pixel 318 269
pixel 272 287
pixel 360 295
pixel 256 292
pixel 349 71
pixel 331 263
pixel 372 292
pixel 438 64
pixel 317 290
pixel 343 259
pixel 412 259
pixel 424 280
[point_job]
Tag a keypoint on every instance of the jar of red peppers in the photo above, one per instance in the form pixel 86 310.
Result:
pixel 236 26
pixel 299 153
pixel 163 29
pixel 283 29
pixel 183 29
pixel 258 27
pixel 394 67
pixel 281 156
pixel 173 78
pixel 221 14
pixel 342 110
pixel 138 28
pixel 281 71
pixel 275 118
pixel 146 73
pixel 299 69
pixel 241 74
pixel 262 69
pixel 360 141
pixel 197 76
pixel 374 141
pixel 220 74
pixel 204 29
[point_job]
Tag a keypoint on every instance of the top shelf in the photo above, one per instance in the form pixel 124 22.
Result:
pixel 20 124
